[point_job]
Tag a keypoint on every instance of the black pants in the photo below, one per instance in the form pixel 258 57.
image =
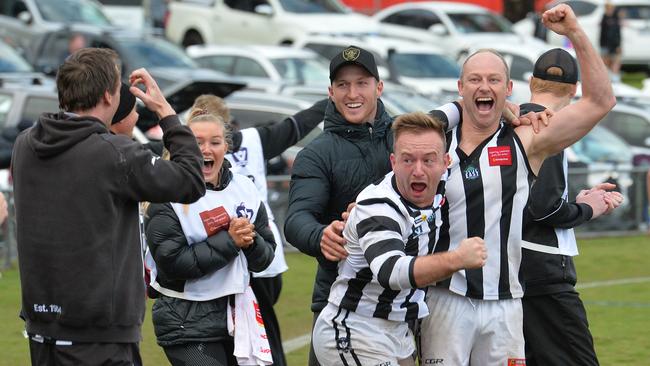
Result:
pixel 105 354
pixel 267 292
pixel 201 354
pixel 556 330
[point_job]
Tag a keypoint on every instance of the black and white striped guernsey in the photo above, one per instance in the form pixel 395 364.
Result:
pixel 384 235
pixel 487 193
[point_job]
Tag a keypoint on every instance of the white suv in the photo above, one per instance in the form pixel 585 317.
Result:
pixel 259 21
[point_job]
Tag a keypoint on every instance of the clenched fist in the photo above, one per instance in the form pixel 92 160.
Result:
pixel 472 252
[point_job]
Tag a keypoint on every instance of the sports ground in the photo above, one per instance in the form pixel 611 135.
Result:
pixel 613 280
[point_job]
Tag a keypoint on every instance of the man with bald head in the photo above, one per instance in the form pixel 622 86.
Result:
pixel 476 314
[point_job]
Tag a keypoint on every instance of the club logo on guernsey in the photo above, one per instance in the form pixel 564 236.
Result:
pixel 343 344
pixel 242 211
pixel 241 156
pixel 471 172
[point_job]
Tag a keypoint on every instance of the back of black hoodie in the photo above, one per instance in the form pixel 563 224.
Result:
pixel 77 188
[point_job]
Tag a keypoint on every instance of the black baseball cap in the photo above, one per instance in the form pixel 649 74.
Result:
pixel 127 101
pixel 561 59
pixel 354 55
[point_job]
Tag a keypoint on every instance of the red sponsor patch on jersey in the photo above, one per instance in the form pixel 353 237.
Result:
pixel 499 155
pixel 215 220
pixel 516 362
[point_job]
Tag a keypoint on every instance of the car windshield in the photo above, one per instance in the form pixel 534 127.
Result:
pixel 601 145
pixel 636 12
pixel 10 61
pixel 405 101
pixel 152 52
pixel 302 70
pixel 72 11
pixel 479 23
pixel 425 65
pixel 312 6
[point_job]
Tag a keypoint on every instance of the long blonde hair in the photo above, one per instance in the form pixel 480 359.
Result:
pixel 211 108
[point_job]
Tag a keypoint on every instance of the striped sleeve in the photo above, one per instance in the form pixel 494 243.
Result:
pixel 380 237
pixel 450 114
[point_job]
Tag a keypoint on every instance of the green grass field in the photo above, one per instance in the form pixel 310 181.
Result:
pixel 619 313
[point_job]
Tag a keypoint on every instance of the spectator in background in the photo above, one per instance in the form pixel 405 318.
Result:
pixel 249 151
pixel 76 190
pixel 202 254
pixel 76 42
pixel 610 40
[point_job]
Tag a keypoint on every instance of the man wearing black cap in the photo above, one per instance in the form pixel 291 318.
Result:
pixel 555 321
pixel 125 117
pixel 329 172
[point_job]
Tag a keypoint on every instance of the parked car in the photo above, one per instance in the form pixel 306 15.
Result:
pixel 452 26
pixel 425 68
pixel 24 21
pixel 602 156
pixel 14 69
pixel 271 22
pixel 266 68
pixel 173 70
pixel 632 124
pixel 125 13
pixel 635 28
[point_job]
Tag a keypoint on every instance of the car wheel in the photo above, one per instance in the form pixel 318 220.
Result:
pixel 191 38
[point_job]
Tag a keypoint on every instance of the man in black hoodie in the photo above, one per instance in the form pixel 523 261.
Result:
pixel 77 188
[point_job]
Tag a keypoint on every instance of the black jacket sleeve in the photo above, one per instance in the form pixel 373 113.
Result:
pixel 547 205
pixel 174 257
pixel 149 178
pixel 308 197
pixel 260 254
pixel 278 137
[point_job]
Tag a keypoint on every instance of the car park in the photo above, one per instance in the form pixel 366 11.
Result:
pixel 452 26
pixel 602 156
pixel 24 21
pixel 176 74
pixel 14 69
pixel 632 124
pixel 271 22
pixel 264 67
pixel 635 28
pixel 426 69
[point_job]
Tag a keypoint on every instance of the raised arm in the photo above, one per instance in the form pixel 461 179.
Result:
pixel 278 137
pixel 574 121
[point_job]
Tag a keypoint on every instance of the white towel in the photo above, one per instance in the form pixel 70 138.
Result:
pixel 245 324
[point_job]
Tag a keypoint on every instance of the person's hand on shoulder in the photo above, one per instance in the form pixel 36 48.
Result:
pixel 152 96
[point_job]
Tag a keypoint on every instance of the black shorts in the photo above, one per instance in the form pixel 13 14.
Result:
pixel 556 330
pixel 114 354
